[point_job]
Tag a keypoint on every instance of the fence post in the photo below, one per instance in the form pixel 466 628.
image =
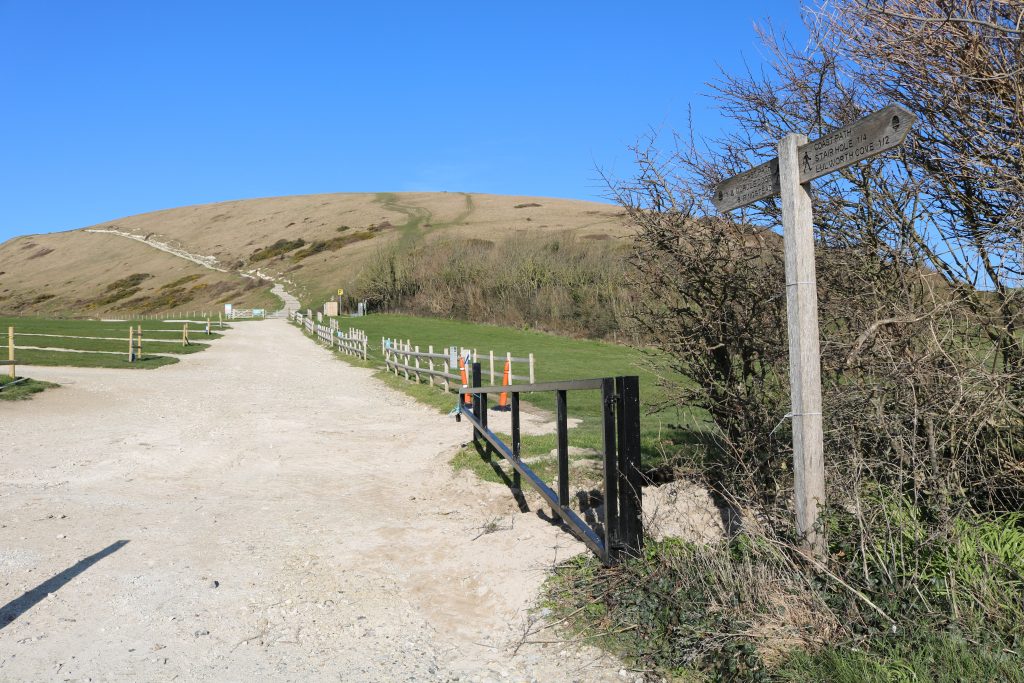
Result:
pixel 612 539
pixel 138 338
pixel 131 343
pixel 492 367
pixel 430 360
pixel 417 364
pixel 475 380
pixel 630 483
pixel 517 446
pixel 562 425
pixel 10 352
pixel 533 379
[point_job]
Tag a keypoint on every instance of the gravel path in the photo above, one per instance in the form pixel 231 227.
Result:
pixel 260 511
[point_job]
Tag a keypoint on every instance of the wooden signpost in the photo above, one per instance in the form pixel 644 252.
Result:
pixel 789 176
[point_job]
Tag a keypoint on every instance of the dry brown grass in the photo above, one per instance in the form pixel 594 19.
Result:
pixel 74 275
pixel 82 264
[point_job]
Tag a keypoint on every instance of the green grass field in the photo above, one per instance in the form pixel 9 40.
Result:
pixel 666 434
pixel 104 343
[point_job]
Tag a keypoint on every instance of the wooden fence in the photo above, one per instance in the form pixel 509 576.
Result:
pixel 354 343
pixel 437 368
pixel 402 357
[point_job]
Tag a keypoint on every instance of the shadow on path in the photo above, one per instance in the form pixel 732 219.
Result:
pixel 15 608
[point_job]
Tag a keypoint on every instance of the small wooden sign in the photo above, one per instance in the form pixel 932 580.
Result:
pixel 759 182
pixel 863 139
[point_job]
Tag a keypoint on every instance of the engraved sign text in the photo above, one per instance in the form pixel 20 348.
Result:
pixel 873 134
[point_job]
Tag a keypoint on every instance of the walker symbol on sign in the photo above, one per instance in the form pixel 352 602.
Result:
pixel 789 175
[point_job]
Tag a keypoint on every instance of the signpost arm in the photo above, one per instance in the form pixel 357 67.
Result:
pixel 804 352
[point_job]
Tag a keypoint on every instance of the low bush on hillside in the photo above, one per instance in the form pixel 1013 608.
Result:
pixel 120 289
pixel 182 281
pixel 278 248
pixel 333 244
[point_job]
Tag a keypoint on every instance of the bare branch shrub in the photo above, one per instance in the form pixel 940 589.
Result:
pixel 919 267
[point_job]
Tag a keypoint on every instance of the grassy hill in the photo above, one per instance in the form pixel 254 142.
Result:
pixel 314 243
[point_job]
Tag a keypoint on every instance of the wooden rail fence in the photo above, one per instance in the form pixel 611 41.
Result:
pixel 354 342
pixel 402 357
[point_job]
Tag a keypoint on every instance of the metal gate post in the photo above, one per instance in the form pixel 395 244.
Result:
pixel 562 430
pixel 475 382
pixel 517 443
pixel 630 478
pixel 612 539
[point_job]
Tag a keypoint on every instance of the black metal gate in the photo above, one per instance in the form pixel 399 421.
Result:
pixel 622 518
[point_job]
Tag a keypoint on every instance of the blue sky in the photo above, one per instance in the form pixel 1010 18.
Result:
pixel 115 108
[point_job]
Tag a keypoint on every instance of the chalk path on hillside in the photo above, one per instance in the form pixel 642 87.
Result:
pixel 260 511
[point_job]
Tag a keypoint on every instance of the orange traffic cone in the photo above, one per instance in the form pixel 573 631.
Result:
pixel 505 381
pixel 467 398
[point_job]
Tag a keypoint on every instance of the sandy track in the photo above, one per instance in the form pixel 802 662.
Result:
pixel 319 501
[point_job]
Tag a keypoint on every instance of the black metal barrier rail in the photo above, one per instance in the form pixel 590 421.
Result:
pixel 622 518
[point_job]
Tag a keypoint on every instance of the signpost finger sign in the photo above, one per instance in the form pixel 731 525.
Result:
pixel 868 137
pixel 789 176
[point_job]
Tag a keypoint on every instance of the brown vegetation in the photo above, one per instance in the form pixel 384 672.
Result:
pixel 556 283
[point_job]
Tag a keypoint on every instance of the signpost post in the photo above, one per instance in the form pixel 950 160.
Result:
pixel 789 176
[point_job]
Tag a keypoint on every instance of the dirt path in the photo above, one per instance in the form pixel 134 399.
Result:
pixel 198 259
pixel 259 511
pixel 290 302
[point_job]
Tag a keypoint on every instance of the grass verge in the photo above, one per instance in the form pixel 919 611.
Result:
pixel 92 360
pixel 668 436
pixel 746 609
pixel 100 343
pixel 22 389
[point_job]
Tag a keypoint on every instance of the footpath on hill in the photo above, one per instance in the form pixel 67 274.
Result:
pixel 261 511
